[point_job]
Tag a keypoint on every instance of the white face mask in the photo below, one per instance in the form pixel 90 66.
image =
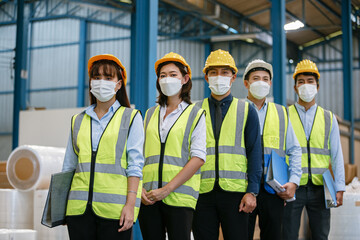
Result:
pixel 219 85
pixel 307 92
pixel 259 89
pixel 170 86
pixel 103 90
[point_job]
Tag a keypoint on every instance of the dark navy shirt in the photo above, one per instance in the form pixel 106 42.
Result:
pixel 252 141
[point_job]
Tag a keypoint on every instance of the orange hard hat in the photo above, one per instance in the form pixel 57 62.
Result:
pixel 173 57
pixel 108 57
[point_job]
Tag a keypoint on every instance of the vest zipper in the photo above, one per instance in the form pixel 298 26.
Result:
pixel 309 159
pixel 217 161
pixel 161 164
pixel 162 150
pixel 92 173
pixel 93 159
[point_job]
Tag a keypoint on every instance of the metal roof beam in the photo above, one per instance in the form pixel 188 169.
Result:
pixel 324 5
pixel 321 11
pixel 238 15
pixel 307 25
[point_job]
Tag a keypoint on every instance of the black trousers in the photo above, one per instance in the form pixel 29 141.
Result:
pixel 270 208
pixel 220 207
pixel 159 218
pixel 311 197
pixel 92 227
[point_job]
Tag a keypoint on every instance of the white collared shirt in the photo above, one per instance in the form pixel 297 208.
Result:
pixel 198 137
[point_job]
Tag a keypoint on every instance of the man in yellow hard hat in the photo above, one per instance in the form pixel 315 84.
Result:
pixel 277 135
pixel 318 133
pixel 231 175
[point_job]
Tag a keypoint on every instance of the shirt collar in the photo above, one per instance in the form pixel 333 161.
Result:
pixel 224 100
pixel 254 105
pixel 302 108
pixel 90 110
pixel 180 107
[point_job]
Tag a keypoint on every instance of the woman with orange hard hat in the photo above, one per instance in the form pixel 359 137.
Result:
pixel 106 150
pixel 174 150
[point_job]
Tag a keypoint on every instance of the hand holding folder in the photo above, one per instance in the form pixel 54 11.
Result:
pixel 277 173
pixel 55 206
pixel 329 190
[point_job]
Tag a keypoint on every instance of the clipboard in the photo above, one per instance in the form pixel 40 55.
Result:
pixel 56 201
pixel 277 173
pixel 329 190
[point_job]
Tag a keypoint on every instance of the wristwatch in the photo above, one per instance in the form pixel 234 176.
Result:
pixel 254 194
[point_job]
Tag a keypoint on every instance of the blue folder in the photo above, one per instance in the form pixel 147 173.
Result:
pixel 329 190
pixel 277 173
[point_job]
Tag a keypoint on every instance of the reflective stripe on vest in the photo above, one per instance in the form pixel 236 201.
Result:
pixel 274 133
pixel 231 157
pixel 318 144
pixel 176 154
pixel 110 180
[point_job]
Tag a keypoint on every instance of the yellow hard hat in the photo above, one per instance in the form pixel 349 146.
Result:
pixel 220 58
pixel 108 57
pixel 306 66
pixel 173 57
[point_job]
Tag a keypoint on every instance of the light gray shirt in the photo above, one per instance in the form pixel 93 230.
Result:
pixel 292 149
pixel 337 160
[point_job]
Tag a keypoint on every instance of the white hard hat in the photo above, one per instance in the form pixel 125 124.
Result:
pixel 258 63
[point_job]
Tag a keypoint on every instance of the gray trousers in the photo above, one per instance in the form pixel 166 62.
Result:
pixel 311 197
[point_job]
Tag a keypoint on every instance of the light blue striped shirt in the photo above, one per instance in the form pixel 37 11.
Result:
pixel 293 149
pixel 337 160
pixel 134 145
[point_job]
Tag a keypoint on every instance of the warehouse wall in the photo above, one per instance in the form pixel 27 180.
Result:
pixel 54 56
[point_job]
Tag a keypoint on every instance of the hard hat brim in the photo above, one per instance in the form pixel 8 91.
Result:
pixel 220 65
pixel 253 65
pixel 108 57
pixel 305 71
pixel 162 60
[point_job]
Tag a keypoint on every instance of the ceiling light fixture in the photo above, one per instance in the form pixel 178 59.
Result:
pixel 293 25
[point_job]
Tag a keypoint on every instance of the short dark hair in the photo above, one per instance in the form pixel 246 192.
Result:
pixel 185 90
pixel 308 74
pixel 111 69
pixel 254 70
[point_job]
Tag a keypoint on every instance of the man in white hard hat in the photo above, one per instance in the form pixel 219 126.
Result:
pixel 317 131
pixel 230 177
pixel 277 135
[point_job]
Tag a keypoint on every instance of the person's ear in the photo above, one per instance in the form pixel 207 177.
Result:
pixel 233 78
pixel 206 78
pixel 296 90
pixel 118 85
pixel 186 78
pixel 246 84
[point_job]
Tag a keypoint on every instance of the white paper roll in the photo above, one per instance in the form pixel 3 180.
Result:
pixel 16 209
pixel 30 167
pixel 45 233
pixel 20 234
pixel 4 234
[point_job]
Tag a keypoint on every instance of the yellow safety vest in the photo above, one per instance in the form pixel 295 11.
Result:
pixel 274 135
pixel 163 161
pixel 226 159
pixel 100 178
pixel 315 150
